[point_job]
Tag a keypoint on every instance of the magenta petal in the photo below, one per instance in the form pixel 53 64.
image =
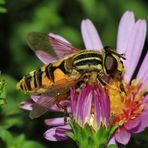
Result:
pixel 132 125
pixel 143 125
pixel 84 99
pixel 125 26
pixel 134 48
pixel 143 117
pixel 90 36
pixel 73 99
pixel 122 136
pixel 45 57
pixel 143 72
pixel 101 106
pixel 86 111
pixel 54 121
pixel 57 133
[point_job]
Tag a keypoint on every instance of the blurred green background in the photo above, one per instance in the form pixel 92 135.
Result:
pixel 63 17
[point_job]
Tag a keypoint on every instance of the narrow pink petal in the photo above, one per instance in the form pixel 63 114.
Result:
pixel 55 121
pixel 112 141
pixel 35 98
pixel 143 72
pixel 45 57
pixel 27 105
pixel 145 82
pixel 125 26
pixel 88 103
pixel 57 133
pixel 122 136
pixel 73 100
pixel 134 48
pixel 90 36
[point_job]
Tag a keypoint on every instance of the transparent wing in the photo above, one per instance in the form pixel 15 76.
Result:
pixel 41 106
pixel 61 46
pixel 39 43
pixel 49 47
pixel 57 93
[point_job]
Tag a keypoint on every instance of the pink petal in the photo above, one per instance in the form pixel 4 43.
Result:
pixel 57 133
pixel 144 123
pixel 125 26
pixel 132 125
pixel 143 117
pixel 134 48
pixel 55 121
pixel 143 72
pixel 122 136
pixel 90 36
pixel 84 99
pixel 45 57
pixel 35 98
pixel 27 105
pixel 88 103
pixel 112 141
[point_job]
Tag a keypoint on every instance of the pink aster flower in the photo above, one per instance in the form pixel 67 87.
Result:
pixel 130 108
pixel 90 107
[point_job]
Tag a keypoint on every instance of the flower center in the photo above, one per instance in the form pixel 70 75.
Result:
pixel 125 104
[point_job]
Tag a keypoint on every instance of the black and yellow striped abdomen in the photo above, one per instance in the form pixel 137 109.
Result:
pixel 40 80
pixel 63 73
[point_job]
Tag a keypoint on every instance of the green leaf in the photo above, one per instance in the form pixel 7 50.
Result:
pixel 87 136
pixel 2 91
pixel 112 146
pixel 2 1
pixel 3 10
pixel 31 144
pixel 6 136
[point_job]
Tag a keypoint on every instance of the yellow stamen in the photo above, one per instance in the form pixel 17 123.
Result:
pixel 128 103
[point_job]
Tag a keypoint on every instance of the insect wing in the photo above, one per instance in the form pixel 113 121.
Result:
pixel 56 93
pixel 49 47
pixel 61 46
pixel 39 43
pixel 41 106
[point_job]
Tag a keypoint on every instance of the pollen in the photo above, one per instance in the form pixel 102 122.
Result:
pixel 126 100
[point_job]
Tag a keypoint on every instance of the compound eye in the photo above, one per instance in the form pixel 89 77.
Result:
pixel 110 64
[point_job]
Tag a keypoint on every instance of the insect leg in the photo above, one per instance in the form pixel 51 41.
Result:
pixel 66 114
pixel 103 82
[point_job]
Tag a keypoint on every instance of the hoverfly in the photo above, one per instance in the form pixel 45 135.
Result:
pixel 70 66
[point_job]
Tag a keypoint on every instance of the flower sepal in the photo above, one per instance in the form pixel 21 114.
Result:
pixel 87 137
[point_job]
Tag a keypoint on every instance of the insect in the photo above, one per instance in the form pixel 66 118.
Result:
pixel 73 66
